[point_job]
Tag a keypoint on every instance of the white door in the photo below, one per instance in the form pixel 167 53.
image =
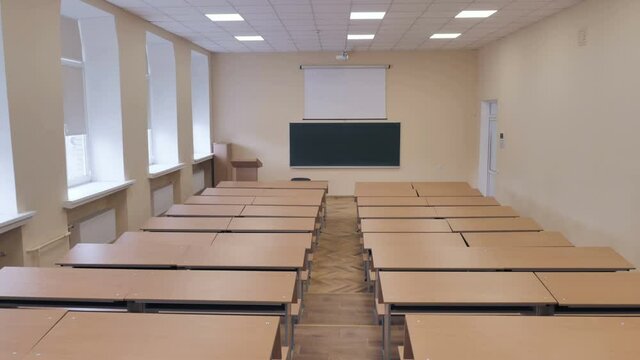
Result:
pixel 492 168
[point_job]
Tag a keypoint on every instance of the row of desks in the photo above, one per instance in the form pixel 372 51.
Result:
pixel 188 210
pixel 236 224
pixel 58 334
pixel 469 255
pixel 449 225
pixel 426 201
pixel 255 200
pixel 413 189
pixel 416 212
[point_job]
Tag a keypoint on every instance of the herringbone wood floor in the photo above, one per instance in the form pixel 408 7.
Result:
pixel 338 318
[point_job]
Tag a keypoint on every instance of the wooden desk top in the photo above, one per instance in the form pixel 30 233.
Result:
pixel 166 238
pixel 463 289
pixel 124 256
pixel 67 283
pixel 391 201
pixel 219 200
pixel 228 256
pixel 288 200
pixel 281 184
pixel 120 336
pixel 461 201
pixel 223 287
pixel 280 211
pixel 445 189
pixel 21 329
pixel 266 239
pixel 542 238
pixel 404 225
pixel 617 289
pixel 447 337
pixel 386 192
pixel 475 211
pixel 204 210
pixel 390 257
pixel 418 241
pixel 262 224
pixel 494 225
pixel 187 224
pixel 396 212
pixel 384 189
pixel 262 192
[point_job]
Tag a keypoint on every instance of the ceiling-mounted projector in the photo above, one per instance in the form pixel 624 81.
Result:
pixel 343 57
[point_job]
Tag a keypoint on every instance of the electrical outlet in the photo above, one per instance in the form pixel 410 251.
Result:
pixel 582 37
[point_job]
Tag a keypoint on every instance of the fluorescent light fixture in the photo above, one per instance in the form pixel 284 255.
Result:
pixel 249 38
pixel 360 36
pixel 444 36
pixel 475 14
pixel 367 15
pixel 225 17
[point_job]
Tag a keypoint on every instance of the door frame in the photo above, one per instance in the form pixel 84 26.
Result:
pixel 483 161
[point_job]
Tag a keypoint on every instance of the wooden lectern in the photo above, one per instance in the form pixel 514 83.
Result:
pixel 246 169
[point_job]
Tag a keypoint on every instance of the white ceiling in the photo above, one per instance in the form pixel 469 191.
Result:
pixel 322 25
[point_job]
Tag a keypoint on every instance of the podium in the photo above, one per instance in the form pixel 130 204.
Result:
pixel 246 169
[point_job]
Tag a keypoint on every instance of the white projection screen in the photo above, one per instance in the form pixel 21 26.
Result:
pixel 336 93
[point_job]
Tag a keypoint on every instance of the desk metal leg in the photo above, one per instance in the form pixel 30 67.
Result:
pixel 386 331
pixel 299 284
pixel 136 307
pixel 288 325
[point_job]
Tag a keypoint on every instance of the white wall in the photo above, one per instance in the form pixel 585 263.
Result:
pixel 433 95
pixel 570 118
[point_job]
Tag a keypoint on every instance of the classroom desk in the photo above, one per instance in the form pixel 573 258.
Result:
pixel 288 201
pixel 449 212
pixel 219 200
pixel 271 224
pixel 390 257
pixel 179 210
pixel 229 256
pixel 404 225
pixel 186 224
pixel 384 189
pixel 120 336
pixel 125 256
pixel 461 201
pixel 414 240
pixel 21 329
pixel 446 337
pixel 391 201
pixel 386 192
pixel 166 238
pixel 279 184
pixel 600 293
pixel 266 239
pixel 280 211
pixel 494 225
pixel 396 212
pixel 503 292
pixel 527 239
pixel 445 189
pixel 262 192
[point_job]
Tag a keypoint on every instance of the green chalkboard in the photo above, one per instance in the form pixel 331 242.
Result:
pixel 344 144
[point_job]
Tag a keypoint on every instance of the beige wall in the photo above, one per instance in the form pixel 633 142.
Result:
pixel 570 118
pixel 32 51
pixel 433 95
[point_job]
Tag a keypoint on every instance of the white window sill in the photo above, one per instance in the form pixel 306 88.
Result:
pixel 198 158
pixel 157 170
pixel 12 221
pixel 86 193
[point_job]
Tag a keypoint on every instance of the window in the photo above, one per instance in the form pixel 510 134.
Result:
pixel 9 216
pixel 92 105
pixel 163 109
pixel 200 106
pixel 7 178
pixel 75 118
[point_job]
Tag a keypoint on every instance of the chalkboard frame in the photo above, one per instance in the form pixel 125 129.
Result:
pixel 389 158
